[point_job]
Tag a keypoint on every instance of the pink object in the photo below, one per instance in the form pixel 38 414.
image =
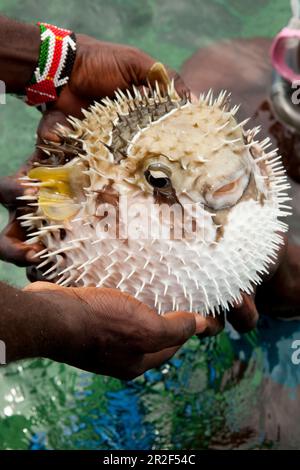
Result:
pixel 278 51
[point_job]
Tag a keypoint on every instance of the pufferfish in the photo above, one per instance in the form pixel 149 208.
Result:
pixel 141 154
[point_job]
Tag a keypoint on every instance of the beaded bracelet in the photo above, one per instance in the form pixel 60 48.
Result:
pixel 56 60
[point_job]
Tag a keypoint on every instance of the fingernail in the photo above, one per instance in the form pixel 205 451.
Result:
pixel 52 136
pixel 30 191
pixel 194 98
pixel 200 323
pixel 238 303
pixel 31 256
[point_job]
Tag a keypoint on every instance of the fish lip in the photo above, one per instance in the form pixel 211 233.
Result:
pixel 247 173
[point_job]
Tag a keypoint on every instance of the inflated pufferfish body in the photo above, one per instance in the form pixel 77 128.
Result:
pixel 153 151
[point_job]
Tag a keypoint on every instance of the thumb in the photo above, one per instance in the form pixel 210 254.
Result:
pixel 145 70
pixel 163 75
pixel 177 328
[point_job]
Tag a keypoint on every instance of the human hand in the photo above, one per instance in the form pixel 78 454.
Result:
pixel 12 239
pixel 111 333
pixel 101 68
pixel 242 316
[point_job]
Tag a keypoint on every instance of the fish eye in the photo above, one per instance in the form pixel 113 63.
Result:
pixel 158 176
pixel 228 194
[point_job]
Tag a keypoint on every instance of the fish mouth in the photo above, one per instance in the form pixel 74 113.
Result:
pixel 228 192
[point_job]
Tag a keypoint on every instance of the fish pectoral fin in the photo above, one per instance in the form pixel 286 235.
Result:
pixel 57 196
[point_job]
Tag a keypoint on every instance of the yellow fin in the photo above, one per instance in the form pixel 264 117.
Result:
pixel 57 179
pixel 59 188
pixel 57 206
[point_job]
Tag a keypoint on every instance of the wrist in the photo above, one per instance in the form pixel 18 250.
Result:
pixel 50 326
pixel 56 59
pixel 21 323
pixel 59 326
pixel 19 53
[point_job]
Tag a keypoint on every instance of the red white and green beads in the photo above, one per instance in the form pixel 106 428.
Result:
pixel 57 55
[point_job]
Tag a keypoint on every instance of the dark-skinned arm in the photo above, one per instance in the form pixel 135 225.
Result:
pixel 99 330
pixel 19 53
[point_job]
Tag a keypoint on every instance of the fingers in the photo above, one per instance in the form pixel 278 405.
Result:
pixel 158 73
pixel 194 99
pixel 10 189
pixel 168 330
pixel 144 69
pixel 136 338
pixel 213 326
pixel 48 124
pixel 16 252
pixel 12 246
pixel 33 274
pixel 244 316
pixel 173 329
pixel 205 326
pixel 141 68
pixel 179 84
